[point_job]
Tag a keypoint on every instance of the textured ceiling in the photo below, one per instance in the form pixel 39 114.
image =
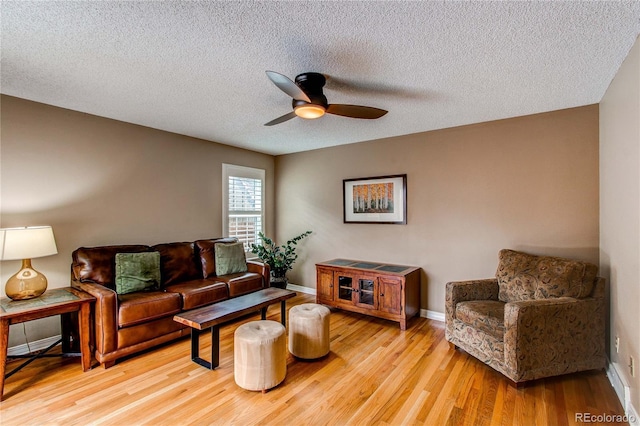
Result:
pixel 198 68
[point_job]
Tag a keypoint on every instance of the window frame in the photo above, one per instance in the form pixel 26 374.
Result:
pixel 233 170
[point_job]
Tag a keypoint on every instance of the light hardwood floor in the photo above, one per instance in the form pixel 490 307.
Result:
pixel 374 374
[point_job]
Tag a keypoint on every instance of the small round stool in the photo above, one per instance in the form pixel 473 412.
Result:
pixel 309 330
pixel 260 355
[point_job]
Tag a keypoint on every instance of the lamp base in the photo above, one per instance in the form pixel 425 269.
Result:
pixel 26 284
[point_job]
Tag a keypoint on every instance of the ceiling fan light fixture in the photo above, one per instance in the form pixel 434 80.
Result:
pixel 309 111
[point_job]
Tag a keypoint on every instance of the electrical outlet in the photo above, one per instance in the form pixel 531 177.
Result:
pixel 632 367
pixel 617 344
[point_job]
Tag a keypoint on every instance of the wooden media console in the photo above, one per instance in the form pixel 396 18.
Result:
pixel 382 290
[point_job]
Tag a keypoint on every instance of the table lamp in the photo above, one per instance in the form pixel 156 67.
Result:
pixel 25 244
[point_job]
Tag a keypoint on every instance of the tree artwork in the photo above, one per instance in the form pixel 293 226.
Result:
pixel 373 198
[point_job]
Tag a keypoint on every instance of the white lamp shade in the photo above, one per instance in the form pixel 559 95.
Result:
pixel 27 242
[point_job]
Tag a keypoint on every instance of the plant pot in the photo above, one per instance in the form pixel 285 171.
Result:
pixel 279 281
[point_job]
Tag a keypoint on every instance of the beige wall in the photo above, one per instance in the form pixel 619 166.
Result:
pixel 620 213
pixel 99 181
pixel 528 183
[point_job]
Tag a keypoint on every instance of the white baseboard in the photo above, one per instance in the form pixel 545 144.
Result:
pixel 301 289
pixel 616 382
pixel 632 413
pixel 624 394
pixel 38 345
pixel 434 315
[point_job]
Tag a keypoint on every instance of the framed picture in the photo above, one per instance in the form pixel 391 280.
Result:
pixel 380 199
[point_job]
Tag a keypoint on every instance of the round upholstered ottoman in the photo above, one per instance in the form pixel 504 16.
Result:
pixel 309 331
pixel 260 355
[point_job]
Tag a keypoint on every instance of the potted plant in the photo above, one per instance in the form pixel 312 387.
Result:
pixel 279 258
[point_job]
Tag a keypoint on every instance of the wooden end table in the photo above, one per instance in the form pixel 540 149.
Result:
pixel 58 301
pixel 213 316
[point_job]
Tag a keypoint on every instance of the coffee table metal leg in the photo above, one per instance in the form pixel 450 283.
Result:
pixel 263 314
pixel 215 346
pixel 195 349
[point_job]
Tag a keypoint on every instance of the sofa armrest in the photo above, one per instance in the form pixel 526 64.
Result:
pixel 556 333
pixel 104 316
pixel 262 269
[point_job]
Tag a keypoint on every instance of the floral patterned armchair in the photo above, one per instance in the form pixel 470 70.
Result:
pixel 541 316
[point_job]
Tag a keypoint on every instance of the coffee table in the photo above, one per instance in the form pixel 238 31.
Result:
pixel 213 316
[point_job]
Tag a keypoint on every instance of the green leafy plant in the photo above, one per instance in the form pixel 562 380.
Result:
pixel 279 258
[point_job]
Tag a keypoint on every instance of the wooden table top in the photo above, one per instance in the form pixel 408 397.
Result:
pixel 388 268
pixel 221 312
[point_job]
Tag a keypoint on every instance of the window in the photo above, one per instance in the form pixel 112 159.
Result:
pixel 243 203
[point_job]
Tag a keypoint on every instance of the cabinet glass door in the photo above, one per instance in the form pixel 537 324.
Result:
pixel 365 289
pixel 345 287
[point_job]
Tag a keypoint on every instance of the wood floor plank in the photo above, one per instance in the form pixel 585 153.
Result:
pixel 374 374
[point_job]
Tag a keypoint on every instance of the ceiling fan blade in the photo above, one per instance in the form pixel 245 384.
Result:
pixel 356 111
pixel 282 119
pixel 285 84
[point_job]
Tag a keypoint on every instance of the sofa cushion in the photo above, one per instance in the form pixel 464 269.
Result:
pixel 136 308
pixel 206 253
pixel 98 264
pixel 137 272
pixel 230 258
pixel 200 292
pixel 177 262
pixel 148 332
pixel 483 315
pixel 523 276
pixel 242 283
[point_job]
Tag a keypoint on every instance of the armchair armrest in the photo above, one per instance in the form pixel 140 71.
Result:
pixel 104 315
pixel 560 335
pixel 262 269
pixel 463 291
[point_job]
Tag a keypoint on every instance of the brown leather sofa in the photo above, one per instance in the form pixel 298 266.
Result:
pixel 124 324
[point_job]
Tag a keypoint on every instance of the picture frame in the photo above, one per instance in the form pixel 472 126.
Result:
pixel 378 199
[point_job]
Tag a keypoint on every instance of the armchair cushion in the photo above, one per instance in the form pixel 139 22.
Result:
pixel 485 315
pixel 523 276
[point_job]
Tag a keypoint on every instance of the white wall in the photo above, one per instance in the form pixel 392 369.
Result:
pixel 620 214
pixel 99 181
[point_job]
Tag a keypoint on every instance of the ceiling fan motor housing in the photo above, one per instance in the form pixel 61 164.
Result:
pixel 311 83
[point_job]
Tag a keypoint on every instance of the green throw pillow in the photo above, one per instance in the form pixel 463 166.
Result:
pixel 137 272
pixel 230 258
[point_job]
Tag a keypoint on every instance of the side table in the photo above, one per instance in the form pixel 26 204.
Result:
pixel 59 301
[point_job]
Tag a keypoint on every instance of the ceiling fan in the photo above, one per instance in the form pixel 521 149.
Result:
pixel 309 101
